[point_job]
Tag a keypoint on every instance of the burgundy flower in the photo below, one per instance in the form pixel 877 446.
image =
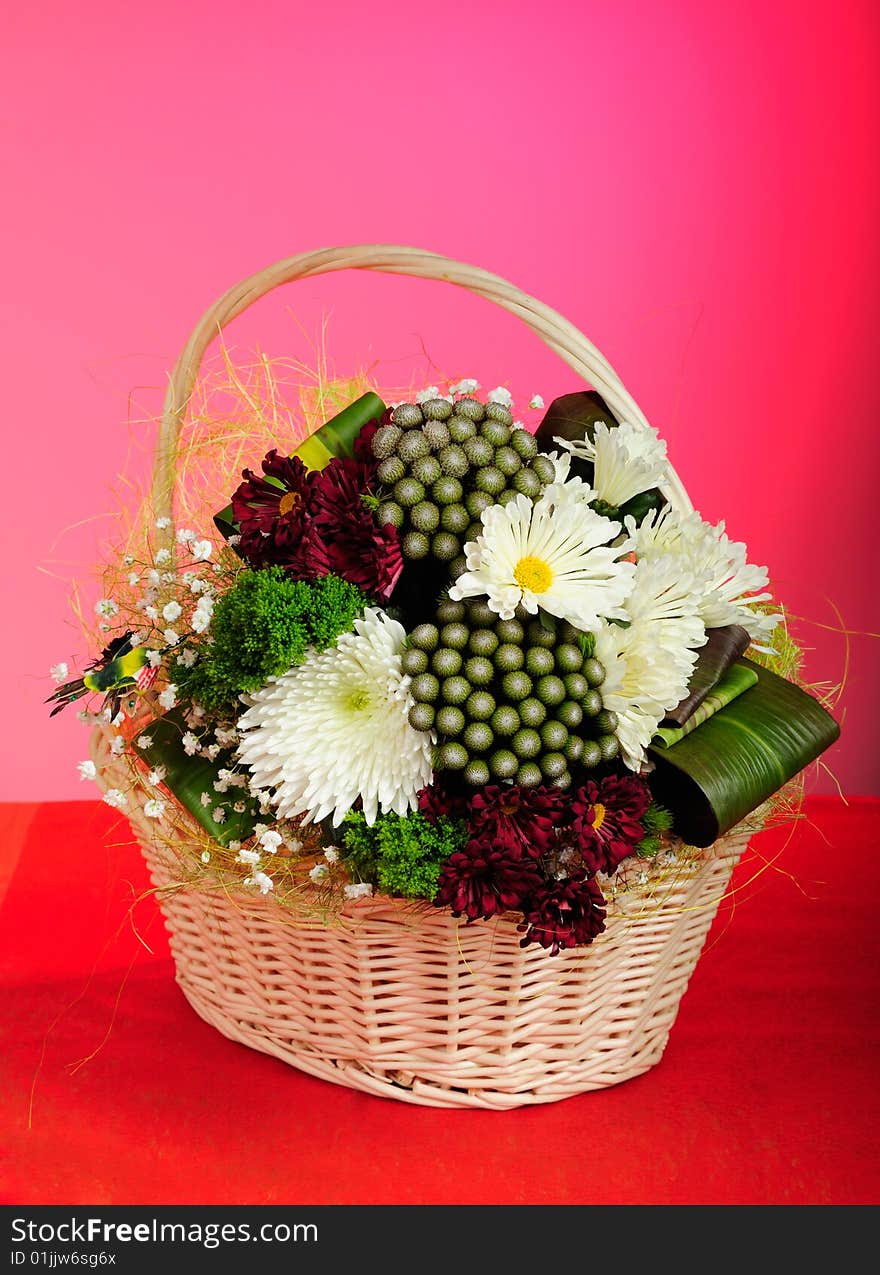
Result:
pixel 607 820
pixel 273 519
pixel 522 819
pixel 363 448
pixel 483 881
pixel 344 537
pixel 441 800
pixel 563 914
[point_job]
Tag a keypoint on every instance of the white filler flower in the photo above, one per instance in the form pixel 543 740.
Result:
pixel 336 728
pixel 648 663
pixel 553 553
pixel 627 460
pixel 732 584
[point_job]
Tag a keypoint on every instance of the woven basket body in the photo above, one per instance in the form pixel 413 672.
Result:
pixel 398 998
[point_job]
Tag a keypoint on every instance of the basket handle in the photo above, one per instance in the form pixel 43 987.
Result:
pixel 561 336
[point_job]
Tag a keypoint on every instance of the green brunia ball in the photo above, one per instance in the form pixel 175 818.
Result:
pixel 516 699
pixel 440 464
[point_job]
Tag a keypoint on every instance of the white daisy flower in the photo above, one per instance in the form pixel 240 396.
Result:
pixel 58 672
pixel 648 663
pixel 627 460
pixel 336 728
pixel 554 553
pixel 87 770
pixel 732 584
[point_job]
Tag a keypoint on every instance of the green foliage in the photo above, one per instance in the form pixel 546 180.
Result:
pixel 657 818
pixel 656 821
pixel 263 626
pixel 400 854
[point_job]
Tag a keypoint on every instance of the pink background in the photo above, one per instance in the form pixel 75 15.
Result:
pixel 694 185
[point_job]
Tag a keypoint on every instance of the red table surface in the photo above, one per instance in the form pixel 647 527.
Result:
pixel 767 1092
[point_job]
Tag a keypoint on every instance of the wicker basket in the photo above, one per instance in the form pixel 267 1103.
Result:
pixel 399 998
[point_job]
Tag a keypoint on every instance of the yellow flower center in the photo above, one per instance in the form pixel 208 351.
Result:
pixel 598 815
pixel 287 502
pixel 358 700
pixel 533 574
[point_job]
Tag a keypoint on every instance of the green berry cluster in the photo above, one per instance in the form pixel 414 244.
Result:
pixel 508 699
pixel 441 464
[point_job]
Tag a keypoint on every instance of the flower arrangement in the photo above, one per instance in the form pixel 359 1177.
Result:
pixel 434 654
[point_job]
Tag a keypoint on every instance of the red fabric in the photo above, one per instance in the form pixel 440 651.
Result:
pixel 767 1092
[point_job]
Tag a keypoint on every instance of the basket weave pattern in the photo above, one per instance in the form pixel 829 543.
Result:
pixel 398 998
pixel 402 1000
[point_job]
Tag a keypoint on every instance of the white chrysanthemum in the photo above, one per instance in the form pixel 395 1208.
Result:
pixel 627 460
pixel 648 663
pixel 553 553
pixel 732 584
pixel 336 728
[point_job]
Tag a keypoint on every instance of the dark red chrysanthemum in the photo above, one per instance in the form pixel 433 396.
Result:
pixel 440 800
pixel 344 537
pixel 522 819
pixel 607 820
pixel 483 881
pixel 563 914
pixel 363 449
pixel 272 519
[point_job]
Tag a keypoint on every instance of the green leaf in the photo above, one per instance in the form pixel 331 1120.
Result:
pixel 188 777
pixel 733 683
pixel 724 645
pixel 741 756
pixel 574 417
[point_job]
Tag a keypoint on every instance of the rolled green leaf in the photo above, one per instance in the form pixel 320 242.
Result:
pixel 741 756
pixel 733 683
pixel 724 645
pixel 186 778
pixel 335 437
pixel 574 417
